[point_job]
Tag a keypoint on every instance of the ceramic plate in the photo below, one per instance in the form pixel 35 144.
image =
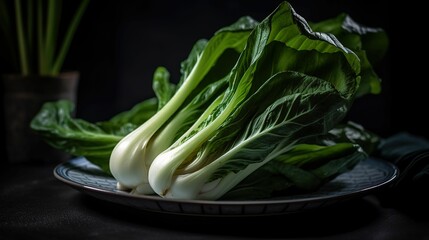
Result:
pixel 367 176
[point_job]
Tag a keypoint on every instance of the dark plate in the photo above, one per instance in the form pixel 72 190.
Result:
pixel 367 176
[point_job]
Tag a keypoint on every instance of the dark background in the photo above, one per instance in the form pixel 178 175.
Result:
pixel 120 43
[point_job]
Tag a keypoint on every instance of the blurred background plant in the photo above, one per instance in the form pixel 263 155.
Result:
pixel 35 40
pixel 35 36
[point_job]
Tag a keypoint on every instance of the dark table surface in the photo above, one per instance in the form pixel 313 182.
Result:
pixel 35 205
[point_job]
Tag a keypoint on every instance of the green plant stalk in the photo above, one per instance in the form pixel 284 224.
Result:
pixel 21 39
pixel 68 38
pixel 40 38
pixel 51 33
pixel 4 14
pixel 30 33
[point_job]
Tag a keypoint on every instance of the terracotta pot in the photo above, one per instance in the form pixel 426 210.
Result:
pixel 23 98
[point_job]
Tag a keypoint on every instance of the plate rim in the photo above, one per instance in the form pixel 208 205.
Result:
pixel 363 191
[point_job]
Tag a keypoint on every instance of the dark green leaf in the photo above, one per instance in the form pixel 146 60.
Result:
pixel 276 177
pixel 354 133
pixel 370 44
pixel 75 136
pixel 162 86
pixel 137 115
pixel 55 124
pixel 304 106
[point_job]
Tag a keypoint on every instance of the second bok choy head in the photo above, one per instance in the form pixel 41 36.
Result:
pixel 248 95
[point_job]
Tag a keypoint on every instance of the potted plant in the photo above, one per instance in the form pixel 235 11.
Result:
pixel 34 40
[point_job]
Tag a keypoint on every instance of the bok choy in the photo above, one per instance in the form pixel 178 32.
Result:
pixel 258 111
pixel 132 156
pixel 213 155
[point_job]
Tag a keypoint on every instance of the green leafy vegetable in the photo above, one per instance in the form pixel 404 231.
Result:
pixel 80 138
pixel 282 176
pixel 131 158
pixel 370 44
pixel 215 154
pixel 257 113
pixel 307 166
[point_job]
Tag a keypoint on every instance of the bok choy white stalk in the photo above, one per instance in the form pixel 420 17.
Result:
pixel 131 158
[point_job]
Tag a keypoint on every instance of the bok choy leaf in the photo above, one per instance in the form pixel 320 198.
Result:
pixel 95 141
pixel 370 44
